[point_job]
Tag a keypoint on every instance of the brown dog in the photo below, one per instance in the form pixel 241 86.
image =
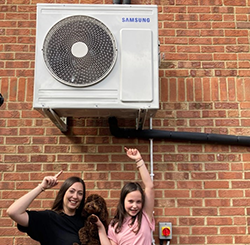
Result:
pixel 96 205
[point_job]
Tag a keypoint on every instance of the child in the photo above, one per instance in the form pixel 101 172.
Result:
pixel 133 222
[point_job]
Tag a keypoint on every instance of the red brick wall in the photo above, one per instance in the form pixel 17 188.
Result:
pixel 202 188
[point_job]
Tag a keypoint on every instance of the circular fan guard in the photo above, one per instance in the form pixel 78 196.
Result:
pixel 82 70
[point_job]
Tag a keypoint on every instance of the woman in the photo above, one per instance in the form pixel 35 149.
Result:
pixel 133 222
pixel 58 226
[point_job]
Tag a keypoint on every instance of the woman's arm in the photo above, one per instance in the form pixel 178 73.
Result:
pixel 17 211
pixel 146 179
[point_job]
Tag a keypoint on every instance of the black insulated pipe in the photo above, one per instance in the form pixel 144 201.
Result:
pixel 173 135
pixel 1 99
pixel 123 2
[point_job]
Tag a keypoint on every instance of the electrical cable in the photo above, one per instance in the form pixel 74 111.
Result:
pixel 162 242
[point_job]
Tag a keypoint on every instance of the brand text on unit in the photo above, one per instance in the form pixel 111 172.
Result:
pixel 135 20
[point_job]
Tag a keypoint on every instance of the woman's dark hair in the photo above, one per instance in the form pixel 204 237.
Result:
pixel 58 203
pixel 121 212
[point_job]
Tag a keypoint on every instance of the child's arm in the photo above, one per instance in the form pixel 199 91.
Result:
pixel 102 232
pixel 146 179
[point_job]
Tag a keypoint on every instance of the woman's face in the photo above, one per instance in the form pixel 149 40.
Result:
pixel 133 203
pixel 72 198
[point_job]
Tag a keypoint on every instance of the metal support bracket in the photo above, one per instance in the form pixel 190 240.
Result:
pixel 60 122
pixel 141 118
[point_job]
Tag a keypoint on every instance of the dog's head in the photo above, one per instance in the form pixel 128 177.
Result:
pixel 95 204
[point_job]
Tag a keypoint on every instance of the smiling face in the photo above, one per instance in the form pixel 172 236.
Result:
pixel 72 198
pixel 133 203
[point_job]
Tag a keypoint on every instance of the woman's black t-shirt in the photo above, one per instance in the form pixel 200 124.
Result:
pixel 51 228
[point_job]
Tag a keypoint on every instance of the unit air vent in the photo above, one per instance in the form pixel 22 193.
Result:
pixel 79 51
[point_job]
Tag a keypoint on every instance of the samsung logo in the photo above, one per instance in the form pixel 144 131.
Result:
pixel 136 20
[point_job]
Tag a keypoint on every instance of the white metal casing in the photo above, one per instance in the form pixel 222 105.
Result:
pixel 131 85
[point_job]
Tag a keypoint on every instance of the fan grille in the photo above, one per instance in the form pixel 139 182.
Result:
pixel 91 65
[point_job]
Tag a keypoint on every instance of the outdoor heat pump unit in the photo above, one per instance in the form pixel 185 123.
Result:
pixel 95 60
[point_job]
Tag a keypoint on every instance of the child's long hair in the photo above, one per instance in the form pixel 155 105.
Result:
pixel 58 203
pixel 121 212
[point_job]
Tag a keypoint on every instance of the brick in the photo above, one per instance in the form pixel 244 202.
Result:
pixel 235 3
pixel 219 221
pixel 204 230
pixel 220 239
pixel 192 240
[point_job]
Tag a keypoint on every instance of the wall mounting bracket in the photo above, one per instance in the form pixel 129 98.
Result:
pixel 141 118
pixel 60 122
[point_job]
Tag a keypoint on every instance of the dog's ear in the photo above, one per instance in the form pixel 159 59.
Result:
pixel 89 198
